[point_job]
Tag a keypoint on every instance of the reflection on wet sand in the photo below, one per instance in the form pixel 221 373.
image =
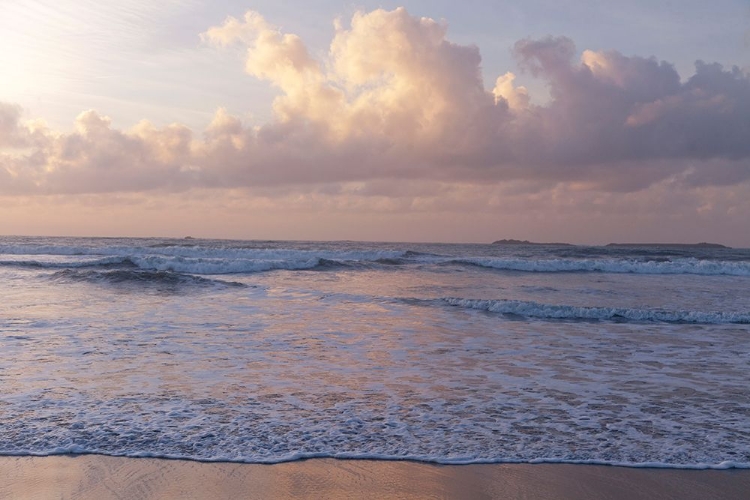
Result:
pixel 99 477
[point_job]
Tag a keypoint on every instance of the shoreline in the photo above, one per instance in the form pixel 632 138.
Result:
pixel 725 465
pixel 102 477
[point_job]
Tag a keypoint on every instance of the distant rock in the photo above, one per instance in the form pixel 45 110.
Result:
pixel 670 245
pixel 527 242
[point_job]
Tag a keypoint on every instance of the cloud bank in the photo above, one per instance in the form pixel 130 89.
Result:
pixel 395 99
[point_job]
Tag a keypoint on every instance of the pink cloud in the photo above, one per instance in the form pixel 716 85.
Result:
pixel 395 99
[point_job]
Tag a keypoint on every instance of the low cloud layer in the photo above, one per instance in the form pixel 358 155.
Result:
pixel 394 99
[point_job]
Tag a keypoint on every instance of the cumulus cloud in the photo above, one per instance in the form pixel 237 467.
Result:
pixel 392 84
pixel 393 99
pixel 95 157
pixel 609 109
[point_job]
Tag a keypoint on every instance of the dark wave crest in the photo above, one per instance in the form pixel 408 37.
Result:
pixel 165 280
pixel 616 266
pixel 536 310
pixel 104 263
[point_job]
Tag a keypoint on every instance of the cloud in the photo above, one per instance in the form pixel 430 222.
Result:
pixel 610 108
pixel 392 83
pixel 394 99
pixel 95 158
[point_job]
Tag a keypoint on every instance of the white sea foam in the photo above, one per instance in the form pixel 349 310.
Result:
pixel 221 266
pixel 193 260
pixel 223 257
pixel 107 350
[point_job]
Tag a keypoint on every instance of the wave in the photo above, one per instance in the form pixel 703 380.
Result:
pixel 210 252
pixel 161 263
pixel 619 266
pixel 426 459
pixel 222 266
pixel 139 278
pixel 199 266
pixel 219 258
pixel 105 262
pixel 196 260
pixel 311 260
pixel 538 310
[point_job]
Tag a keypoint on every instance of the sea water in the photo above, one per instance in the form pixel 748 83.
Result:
pixel 261 351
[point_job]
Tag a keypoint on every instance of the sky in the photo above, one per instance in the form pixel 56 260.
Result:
pixel 584 121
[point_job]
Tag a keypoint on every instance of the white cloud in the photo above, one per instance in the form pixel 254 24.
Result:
pixel 394 98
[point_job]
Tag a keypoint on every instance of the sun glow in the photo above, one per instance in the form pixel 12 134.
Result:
pixel 42 52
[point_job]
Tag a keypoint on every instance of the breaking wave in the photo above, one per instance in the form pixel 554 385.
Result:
pixel 231 258
pixel 538 310
pixel 196 260
pixel 620 266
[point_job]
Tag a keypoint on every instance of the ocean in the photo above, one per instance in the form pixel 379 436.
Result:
pixel 270 351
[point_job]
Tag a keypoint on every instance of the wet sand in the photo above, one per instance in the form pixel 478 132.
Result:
pixel 100 477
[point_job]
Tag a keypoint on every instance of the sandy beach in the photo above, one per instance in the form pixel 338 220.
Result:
pixel 101 477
